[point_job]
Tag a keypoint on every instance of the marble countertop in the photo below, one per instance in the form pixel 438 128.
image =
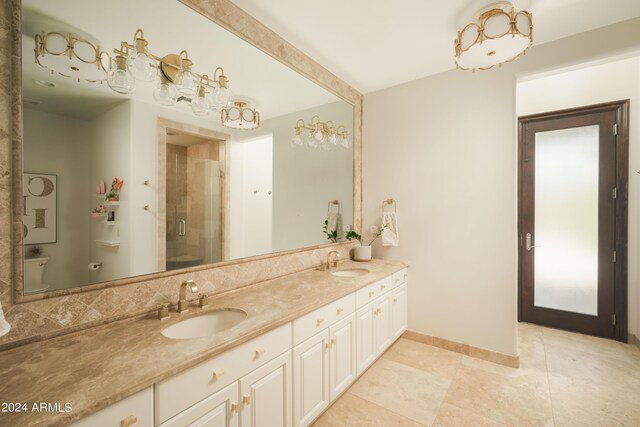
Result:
pixel 97 367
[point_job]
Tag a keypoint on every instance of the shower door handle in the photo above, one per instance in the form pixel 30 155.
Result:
pixel 182 227
pixel 528 246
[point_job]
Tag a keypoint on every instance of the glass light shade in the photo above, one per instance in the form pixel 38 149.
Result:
pixel 344 142
pixel 318 135
pixel 239 116
pixel 296 139
pixel 120 79
pixel 142 66
pixel 221 97
pixel 200 104
pixel 186 83
pixel 333 139
pixel 165 93
pixel 497 35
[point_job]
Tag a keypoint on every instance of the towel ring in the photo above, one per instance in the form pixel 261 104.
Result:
pixel 390 202
pixel 334 203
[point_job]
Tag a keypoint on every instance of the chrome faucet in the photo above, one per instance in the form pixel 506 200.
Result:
pixel 329 264
pixel 183 305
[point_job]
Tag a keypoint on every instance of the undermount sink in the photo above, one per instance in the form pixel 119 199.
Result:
pixel 351 272
pixel 204 325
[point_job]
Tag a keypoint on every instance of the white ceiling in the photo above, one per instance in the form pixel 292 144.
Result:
pixel 170 27
pixel 376 44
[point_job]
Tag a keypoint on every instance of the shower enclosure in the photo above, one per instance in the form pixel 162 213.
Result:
pixel 193 201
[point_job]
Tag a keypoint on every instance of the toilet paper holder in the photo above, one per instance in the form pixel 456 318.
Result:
pixel 94 265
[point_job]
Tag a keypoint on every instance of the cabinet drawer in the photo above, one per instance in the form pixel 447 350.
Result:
pixel 135 411
pixel 181 391
pixel 369 293
pixel 399 277
pixel 312 323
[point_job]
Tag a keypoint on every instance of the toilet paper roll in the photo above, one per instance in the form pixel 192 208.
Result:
pixel 93 266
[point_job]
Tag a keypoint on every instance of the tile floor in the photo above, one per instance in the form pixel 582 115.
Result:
pixel 564 379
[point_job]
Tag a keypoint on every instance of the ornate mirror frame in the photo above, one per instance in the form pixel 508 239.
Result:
pixel 227 15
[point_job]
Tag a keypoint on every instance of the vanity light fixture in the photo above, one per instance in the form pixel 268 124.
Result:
pixel 320 134
pixel 240 116
pixel 200 105
pixel 496 34
pixel 71 56
pixel 140 63
pixel 120 78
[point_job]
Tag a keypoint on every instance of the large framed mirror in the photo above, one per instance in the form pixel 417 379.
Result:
pixel 155 141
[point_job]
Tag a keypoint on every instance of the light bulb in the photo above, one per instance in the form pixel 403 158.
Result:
pixel 221 97
pixel 165 93
pixel 119 78
pixel 318 135
pixel 311 141
pixel 142 66
pixel 345 143
pixel 333 139
pixel 200 104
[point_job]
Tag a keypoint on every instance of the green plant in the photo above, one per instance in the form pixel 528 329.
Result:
pixel 352 235
pixel 35 251
pixel 331 235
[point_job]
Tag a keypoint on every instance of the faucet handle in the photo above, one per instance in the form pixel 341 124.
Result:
pixel 163 311
pixel 203 300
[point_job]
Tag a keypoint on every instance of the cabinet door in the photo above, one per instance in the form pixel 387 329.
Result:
pixel 136 410
pixel 342 364
pixel 311 378
pixel 267 395
pixel 383 323
pixel 365 344
pixel 399 310
pixel 217 410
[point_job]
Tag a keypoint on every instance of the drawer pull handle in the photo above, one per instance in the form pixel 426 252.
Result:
pixel 217 374
pixel 319 321
pixel 235 408
pixel 129 421
pixel 333 342
pixel 260 352
pixel 397 279
pixel 339 311
pixel 371 294
pixel 246 399
pixel 327 346
pixel 382 287
pixel 395 300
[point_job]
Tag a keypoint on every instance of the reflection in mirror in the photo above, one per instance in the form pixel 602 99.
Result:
pixel 181 146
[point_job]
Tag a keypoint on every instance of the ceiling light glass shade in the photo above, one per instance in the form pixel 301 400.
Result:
pixel 186 83
pixel 142 66
pixel 119 78
pixel 239 116
pixel 200 104
pixel 496 34
pixel 221 97
pixel 165 92
pixel 71 56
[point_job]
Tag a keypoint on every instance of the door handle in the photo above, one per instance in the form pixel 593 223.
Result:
pixel 527 244
pixel 182 227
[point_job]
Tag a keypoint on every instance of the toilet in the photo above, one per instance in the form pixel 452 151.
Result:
pixel 33 275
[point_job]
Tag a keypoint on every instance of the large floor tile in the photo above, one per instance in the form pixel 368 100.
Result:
pixel 414 393
pixel 453 416
pixel 434 360
pixel 351 410
pixel 503 399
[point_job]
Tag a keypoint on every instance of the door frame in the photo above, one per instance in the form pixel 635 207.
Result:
pixel 621 110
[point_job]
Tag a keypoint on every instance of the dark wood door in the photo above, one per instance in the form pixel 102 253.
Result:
pixel 573 168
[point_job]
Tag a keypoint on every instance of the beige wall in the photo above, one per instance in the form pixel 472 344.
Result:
pixel 595 84
pixel 445 148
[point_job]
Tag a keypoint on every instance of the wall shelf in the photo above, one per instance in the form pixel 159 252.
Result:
pixel 111 243
pixel 97 215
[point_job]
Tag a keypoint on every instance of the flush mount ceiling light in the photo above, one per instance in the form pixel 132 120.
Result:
pixel 240 116
pixel 497 33
pixel 173 75
pixel 319 134
pixel 71 56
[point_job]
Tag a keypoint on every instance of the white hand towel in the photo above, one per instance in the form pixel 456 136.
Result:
pixel 334 220
pixel 390 232
pixel 4 326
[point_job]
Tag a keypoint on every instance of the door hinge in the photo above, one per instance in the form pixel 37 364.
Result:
pixel 614 193
pixel 614 256
pixel 613 319
pixel 615 129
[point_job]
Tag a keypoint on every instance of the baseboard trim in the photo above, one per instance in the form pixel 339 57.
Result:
pixel 466 349
pixel 634 340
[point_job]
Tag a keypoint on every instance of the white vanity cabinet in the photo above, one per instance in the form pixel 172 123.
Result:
pixel 283 378
pixel 134 411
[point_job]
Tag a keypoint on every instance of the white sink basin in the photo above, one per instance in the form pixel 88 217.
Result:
pixel 351 272
pixel 204 325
